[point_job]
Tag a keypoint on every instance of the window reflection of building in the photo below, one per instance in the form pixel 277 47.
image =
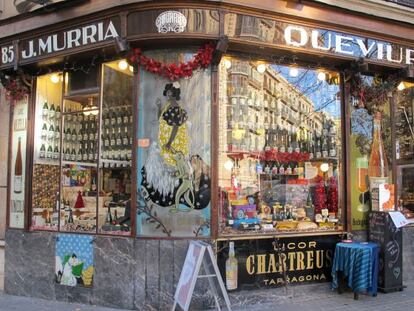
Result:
pixel 204 21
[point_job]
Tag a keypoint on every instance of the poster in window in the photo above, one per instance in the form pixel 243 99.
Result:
pixel 18 160
pixel 174 164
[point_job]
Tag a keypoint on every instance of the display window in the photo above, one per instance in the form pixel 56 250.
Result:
pixel 173 188
pixel 279 163
pixel 404 126
pixel 83 151
pixel 370 146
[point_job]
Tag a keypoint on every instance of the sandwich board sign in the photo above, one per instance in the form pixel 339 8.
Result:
pixel 199 254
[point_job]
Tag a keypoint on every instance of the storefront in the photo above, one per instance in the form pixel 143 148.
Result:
pixel 142 127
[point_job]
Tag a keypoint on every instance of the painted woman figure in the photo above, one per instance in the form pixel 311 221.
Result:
pixel 172 135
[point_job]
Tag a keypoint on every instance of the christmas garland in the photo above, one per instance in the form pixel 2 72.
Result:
pixel 173 71
pixel 15 88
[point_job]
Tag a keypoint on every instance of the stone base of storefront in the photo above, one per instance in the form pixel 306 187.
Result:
pixel 134 273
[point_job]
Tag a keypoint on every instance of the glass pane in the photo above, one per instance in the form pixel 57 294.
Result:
pixel 370 146
pixel 79 162
pixel 18 168
pixel 174 152
pixel 45 189
pixel 279 148
pixel 116 149
pixel 404 126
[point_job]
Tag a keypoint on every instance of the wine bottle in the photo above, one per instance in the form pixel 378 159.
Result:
pixel 45 109
pixel 57 132
pixel 231 269
pixel 18 169
pixel 85 134
pixel 73 154
pixel 119 117
pixel 57 112
pixel 79 156
pixel 119 139
pixel 49 152
pixel 378 164
pixel 42 153
pixel 56 152
pixel 125 116
pixel 44 131
pixel 73 136
pixel 52 111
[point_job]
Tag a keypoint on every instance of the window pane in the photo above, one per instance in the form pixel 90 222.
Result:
pixel 116 149
pixel 279 148
pixel 18 164
pixel 174 152
pixel 404 126
pixel 79 162
pixel 46 171
pixel 370 146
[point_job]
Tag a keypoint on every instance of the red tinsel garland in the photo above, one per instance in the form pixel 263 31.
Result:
pixel 320 195
pixel 15 90
pixel 332 201
pixel 173 71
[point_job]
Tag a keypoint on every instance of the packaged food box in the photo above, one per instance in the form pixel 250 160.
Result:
pixel 244 211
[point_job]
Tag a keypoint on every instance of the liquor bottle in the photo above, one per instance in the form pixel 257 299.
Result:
pixel 125 116
pixel 57 112
pixel 52 111
pixel 70 217
pixel 45 109
pixel 73 136
pixel 112 118
pixel 79 156
pixel 49 152
pixel 108 218
pixel 91 152
pixel 18 169
pixel 42 153
pixel 118 117
pixel 131 117
pixel 57 132
pixel 51 132
pixel 56 152
pixel 67 155
pixel 73 154
pixel 378 164
pixel 106 139
pixel 231 269
pixel 85 154
pixel 80 134
pixel 92 132
pixel 118 141
pixel 85 134
pixel 125 138
pixel 44 131
pixel 112 139
pixel 105 118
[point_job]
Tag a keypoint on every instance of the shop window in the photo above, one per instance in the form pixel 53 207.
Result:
pixel 18 163
pixel 173 188
pixel 370 146
pixel 404 127
pixel 83 152
pixel 276 173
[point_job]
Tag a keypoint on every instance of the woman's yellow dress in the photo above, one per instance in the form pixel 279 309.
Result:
pixel 180 142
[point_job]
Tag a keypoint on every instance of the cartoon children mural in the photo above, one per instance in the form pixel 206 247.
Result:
pixel 74 260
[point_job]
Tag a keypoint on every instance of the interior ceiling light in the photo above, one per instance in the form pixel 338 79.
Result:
pixel 401 86
pixel 122 64
pixel 324 167
pixel 54 78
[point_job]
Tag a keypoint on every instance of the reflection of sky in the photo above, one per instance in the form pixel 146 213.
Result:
pixel 322 95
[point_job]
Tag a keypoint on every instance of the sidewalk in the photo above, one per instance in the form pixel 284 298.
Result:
pixel 317 298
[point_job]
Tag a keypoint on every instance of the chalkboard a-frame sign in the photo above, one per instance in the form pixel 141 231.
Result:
pixel 383 232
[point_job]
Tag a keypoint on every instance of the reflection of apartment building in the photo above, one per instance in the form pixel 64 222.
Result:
pixel 203 21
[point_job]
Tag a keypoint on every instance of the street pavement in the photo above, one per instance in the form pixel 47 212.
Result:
pixel 322 299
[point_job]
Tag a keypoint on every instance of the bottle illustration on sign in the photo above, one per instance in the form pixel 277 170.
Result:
pixel 18 169
pixel 378 164
pixel 231 269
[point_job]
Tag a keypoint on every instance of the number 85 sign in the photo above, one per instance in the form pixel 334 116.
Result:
pixel 7 54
